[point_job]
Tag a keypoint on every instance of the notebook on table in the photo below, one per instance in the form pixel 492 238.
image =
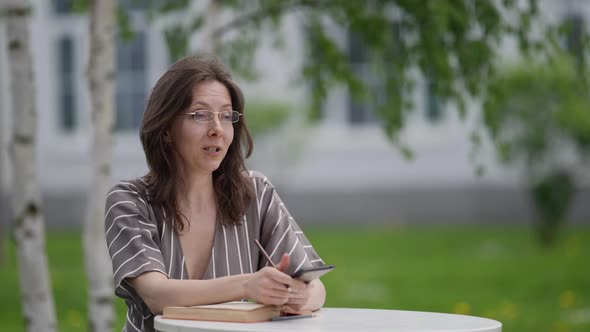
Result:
pixel 242 312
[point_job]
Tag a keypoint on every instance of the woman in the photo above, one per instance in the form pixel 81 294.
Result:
pixel 185 233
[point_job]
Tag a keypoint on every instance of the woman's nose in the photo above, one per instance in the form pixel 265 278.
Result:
pixel 216 127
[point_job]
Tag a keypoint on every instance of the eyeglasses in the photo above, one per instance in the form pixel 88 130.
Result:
pixel 208 116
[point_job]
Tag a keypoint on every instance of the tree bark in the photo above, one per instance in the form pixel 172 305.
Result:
pixel 3 161
pixel 29 228
pixel 210 43
pixel 101 79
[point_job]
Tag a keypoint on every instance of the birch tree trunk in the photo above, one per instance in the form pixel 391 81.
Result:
pixel 101 74
pixel 3 159
pixel 210 44
pixel 29 228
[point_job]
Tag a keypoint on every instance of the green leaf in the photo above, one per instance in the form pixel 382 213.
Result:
pixel 80 6
pixel 125 30
pixel 173 6
pixel 177 41
pixel 264 116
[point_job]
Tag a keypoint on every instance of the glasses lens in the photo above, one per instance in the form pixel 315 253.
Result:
pixel 203 116
pixel 225 116
pixel 235 116
pixel 229 116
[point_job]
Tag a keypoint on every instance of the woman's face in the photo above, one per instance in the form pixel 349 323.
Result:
pixel 201 146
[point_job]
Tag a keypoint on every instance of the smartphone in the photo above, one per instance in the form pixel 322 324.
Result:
pixel 312 273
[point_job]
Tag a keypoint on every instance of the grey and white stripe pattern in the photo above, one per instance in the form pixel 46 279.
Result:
pixel 139 241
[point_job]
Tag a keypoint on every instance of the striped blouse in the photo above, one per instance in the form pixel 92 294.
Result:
pixel 139 241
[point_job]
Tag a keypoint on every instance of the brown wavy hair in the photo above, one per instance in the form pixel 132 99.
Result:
pixel 172 95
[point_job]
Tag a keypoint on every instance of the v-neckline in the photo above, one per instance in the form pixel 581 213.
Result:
pixel 208 273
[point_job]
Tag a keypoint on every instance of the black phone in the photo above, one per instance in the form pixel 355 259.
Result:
pixel 312 273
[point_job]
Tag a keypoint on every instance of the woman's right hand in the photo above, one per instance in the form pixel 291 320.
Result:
pixel 272 286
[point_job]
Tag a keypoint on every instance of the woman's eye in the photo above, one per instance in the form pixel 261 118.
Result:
pixel 226 116
pixel 201 115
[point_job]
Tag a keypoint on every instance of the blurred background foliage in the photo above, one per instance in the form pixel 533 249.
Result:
pixel 395 36
pixel 537 115
pixel 265 116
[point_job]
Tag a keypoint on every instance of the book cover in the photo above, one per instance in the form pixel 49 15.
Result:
pixel 243 312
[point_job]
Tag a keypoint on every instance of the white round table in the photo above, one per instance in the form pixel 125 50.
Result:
pixel 344 320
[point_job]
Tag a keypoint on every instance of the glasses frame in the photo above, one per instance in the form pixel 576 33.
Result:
pixel 212 118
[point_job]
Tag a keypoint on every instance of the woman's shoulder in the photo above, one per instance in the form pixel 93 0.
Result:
pixel 258 177
pixel 133 188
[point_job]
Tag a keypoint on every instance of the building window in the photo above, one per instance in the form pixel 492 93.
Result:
pixel 131 76
pixel 63 6
pixel 432 103
pixel 575 34
pixel 131 72
pixel 360 111
pixel 365 112
pixel 68 6
pixel 67 93
pixel 131 81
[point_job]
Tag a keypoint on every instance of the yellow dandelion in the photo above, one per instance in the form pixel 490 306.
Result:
pixel 572 246
pixel 74 318
pixel 560 327
pixel 509 310
pixel 461 308
pixel 567 299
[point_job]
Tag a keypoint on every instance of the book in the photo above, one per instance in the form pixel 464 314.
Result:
pixel 242 312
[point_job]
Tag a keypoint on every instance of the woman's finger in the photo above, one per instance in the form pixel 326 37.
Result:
pixel 276 299
pixel 282 278
pixel 284 263
pixel 297 296
pixel 272 284
pixel 295 303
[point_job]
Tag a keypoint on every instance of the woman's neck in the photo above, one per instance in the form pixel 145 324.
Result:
pixel 200 194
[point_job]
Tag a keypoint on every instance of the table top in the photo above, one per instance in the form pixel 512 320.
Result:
pixel 344 319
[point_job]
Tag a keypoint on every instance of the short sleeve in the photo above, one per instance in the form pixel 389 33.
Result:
pixel 280 233
pixel 131 235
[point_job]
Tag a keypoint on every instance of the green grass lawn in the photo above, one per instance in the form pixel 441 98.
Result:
pixel 498 273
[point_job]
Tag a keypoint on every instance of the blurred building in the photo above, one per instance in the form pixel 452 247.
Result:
pixel 342 169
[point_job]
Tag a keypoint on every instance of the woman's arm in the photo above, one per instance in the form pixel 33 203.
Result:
pixel 157 291
pixel 317 295
pixel 268 286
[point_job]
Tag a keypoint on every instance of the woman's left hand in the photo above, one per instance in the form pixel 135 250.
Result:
pixel 299 299
pixel 310 296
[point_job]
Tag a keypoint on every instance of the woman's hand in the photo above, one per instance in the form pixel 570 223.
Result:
pixel 311 298
pixel 272 286
pixel 307 296
pixel 299 300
